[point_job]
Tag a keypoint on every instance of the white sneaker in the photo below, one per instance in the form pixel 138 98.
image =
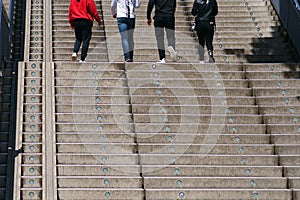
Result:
pixel 162 61
pixel 201 61
pixel 173 53
pixel 82 61
pixel 74 56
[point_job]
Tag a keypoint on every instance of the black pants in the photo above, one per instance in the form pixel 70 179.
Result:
pixel 83 34
pixel 205 32
pixel 161 24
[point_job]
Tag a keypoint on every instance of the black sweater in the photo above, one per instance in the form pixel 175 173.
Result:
pixel 205 10
pixel 163 8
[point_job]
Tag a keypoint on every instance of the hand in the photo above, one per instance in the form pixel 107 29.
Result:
pixel 115 15
pixel 149 21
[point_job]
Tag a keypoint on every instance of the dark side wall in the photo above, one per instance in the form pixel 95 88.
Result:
pixel 290 18
pixel 4 35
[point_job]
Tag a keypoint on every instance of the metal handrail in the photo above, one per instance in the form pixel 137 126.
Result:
pixel 11 18
pixel 290 18
pixel 1 5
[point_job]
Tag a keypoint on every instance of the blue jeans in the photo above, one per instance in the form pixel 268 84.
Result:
pixel 126 28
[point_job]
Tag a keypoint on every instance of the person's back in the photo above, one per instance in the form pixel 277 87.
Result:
pixel 163 8
pixel 205 10
pixel 205 23
pixel 83 9
pixel 81 16
pixel 164 19
pixel 124 11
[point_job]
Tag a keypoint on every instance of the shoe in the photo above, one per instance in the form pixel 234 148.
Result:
pixel 211 57
pixel 128 60
pixel 211 60
pixel 173 53
pixel 82 61
pixel 201 62
pixel 162 61
pixel 74 56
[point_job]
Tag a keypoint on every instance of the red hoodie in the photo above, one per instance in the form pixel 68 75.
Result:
pixel 83 9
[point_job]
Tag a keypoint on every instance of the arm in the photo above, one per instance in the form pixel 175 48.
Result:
pixel 150 8
pixel 93 11
pixel 197 6
pixel 113 7
pixel 174 6
pixel 215 8
pixel 70 17
pixel 137 4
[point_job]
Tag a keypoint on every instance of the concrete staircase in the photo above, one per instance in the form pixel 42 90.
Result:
pixel 109 130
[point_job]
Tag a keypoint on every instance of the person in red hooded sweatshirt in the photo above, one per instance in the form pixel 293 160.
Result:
pixel 81 16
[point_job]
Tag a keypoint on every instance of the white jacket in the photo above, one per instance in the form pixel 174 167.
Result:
pixel 124 8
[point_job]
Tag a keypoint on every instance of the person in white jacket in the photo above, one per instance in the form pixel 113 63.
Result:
pixel 124 11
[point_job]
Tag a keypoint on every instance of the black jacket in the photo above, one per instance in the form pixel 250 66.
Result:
pixel 205 10
pixel 163 8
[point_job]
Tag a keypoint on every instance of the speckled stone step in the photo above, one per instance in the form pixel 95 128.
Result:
pixel 214 194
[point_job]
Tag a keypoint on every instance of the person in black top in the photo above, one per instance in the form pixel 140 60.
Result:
pixel 164 19
pixel 205 12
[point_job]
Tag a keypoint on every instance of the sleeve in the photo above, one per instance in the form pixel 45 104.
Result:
pixel 195 8
pixel 216 10
pixel 70 18
pixel 198 6
pixel 137 4
pixel 150 8
pixel 174 6
pixel 93 10
pixel 113 7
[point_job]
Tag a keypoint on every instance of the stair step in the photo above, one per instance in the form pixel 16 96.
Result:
pixel 183 171
pixel 202 139
pixel 98 170
pixel 214 194
pixel 100 193
pixel 99 182
pixel 214 183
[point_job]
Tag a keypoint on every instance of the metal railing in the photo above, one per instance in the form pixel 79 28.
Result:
pixel 4 35
pixel 290 18
pixel 1 10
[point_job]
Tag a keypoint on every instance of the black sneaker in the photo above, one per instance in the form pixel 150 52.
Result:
pixel 211 57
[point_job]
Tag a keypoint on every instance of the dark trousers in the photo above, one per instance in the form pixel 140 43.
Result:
pixel 205 32
pixel 162 24
pixel 83 34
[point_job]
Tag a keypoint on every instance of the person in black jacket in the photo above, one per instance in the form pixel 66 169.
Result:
pixel 164 19
pixel 205 12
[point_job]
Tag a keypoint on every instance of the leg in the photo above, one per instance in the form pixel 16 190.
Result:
pixel 131 27
pixel 159 34
pixel 209 43
pixel 201 45
pixel 201 33
pixel 123 29
pixel 78 36
pixel 170 31
pixel 86 37
pixel 209 38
